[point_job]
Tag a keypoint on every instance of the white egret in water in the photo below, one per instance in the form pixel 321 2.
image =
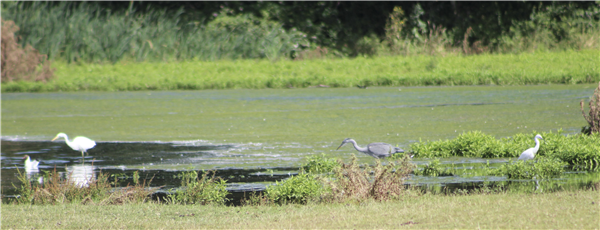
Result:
pixel 80 143
pixel 530 153
pixel 30 165
pixel 377 150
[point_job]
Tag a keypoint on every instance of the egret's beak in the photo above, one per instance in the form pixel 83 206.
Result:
pixel 340 145
pixel 54 138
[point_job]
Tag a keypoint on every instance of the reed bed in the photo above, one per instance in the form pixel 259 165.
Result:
pixel 88 33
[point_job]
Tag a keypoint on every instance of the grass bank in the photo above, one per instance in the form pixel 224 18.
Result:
pixel 566 67
pixel 574 209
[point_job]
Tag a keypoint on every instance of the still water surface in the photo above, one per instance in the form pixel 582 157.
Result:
pixel 255 137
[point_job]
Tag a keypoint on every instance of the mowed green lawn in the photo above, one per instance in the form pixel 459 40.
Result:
pixel 565 67
pixel 560 210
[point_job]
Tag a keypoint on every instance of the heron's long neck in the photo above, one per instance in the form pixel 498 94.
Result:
pixel 358 147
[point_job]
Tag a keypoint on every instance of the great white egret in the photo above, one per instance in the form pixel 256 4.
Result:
pixel 377 150
pixel 30 164
pixel 79 143
pixel 530 153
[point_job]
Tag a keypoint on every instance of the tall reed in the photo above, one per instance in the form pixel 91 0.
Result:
pixel 92 34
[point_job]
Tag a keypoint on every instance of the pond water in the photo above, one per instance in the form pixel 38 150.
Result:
pixel 255 137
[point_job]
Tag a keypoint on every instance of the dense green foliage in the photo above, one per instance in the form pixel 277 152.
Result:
pixel 302 188
pixel 89 34
pixel 165 31
pixel 572 149
pixel 320 164
pixel 199 190
pixel 567 67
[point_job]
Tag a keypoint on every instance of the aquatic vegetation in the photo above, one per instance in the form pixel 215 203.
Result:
pixel 434 168
pixel 540 169
pixel 572 149
pixel 593 118
pixel 197 189
pixel 55 189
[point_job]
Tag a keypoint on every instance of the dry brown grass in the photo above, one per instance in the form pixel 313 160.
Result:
pixel 57 189
pixel 21 64
pixel 318 53
pixel 476 47
pixel 593 117
pixel 381 182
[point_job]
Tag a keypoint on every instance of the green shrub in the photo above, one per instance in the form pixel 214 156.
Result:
pixel 554 27
pixel 319 164
pixel 301 189
pixel 199 190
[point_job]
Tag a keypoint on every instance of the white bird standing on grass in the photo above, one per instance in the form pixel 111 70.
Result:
pixel 530 153
pixel 30 165
pixel 79 143
pixel 377 150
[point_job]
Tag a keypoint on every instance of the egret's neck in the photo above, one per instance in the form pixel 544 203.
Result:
pixel 69 143
pixel 358 147
pixel 537 145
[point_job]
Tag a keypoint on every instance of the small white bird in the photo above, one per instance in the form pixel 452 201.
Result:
pixel 530 153
pixel 30 164
pixel 79 143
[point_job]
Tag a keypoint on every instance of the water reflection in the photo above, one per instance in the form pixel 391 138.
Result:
pixel 33 173
pixel 81 175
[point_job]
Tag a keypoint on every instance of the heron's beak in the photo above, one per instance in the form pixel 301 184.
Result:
pixel 340 146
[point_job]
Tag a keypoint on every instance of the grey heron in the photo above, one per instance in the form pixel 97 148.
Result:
pixel 530 153
pixel 377 150
pixel 81 144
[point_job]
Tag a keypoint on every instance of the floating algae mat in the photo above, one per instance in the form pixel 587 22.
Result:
pixel 253 138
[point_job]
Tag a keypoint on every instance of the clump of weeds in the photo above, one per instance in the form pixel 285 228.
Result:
pixel 380 182
pixel 56 189
pixel 593 117
pixel 204 189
